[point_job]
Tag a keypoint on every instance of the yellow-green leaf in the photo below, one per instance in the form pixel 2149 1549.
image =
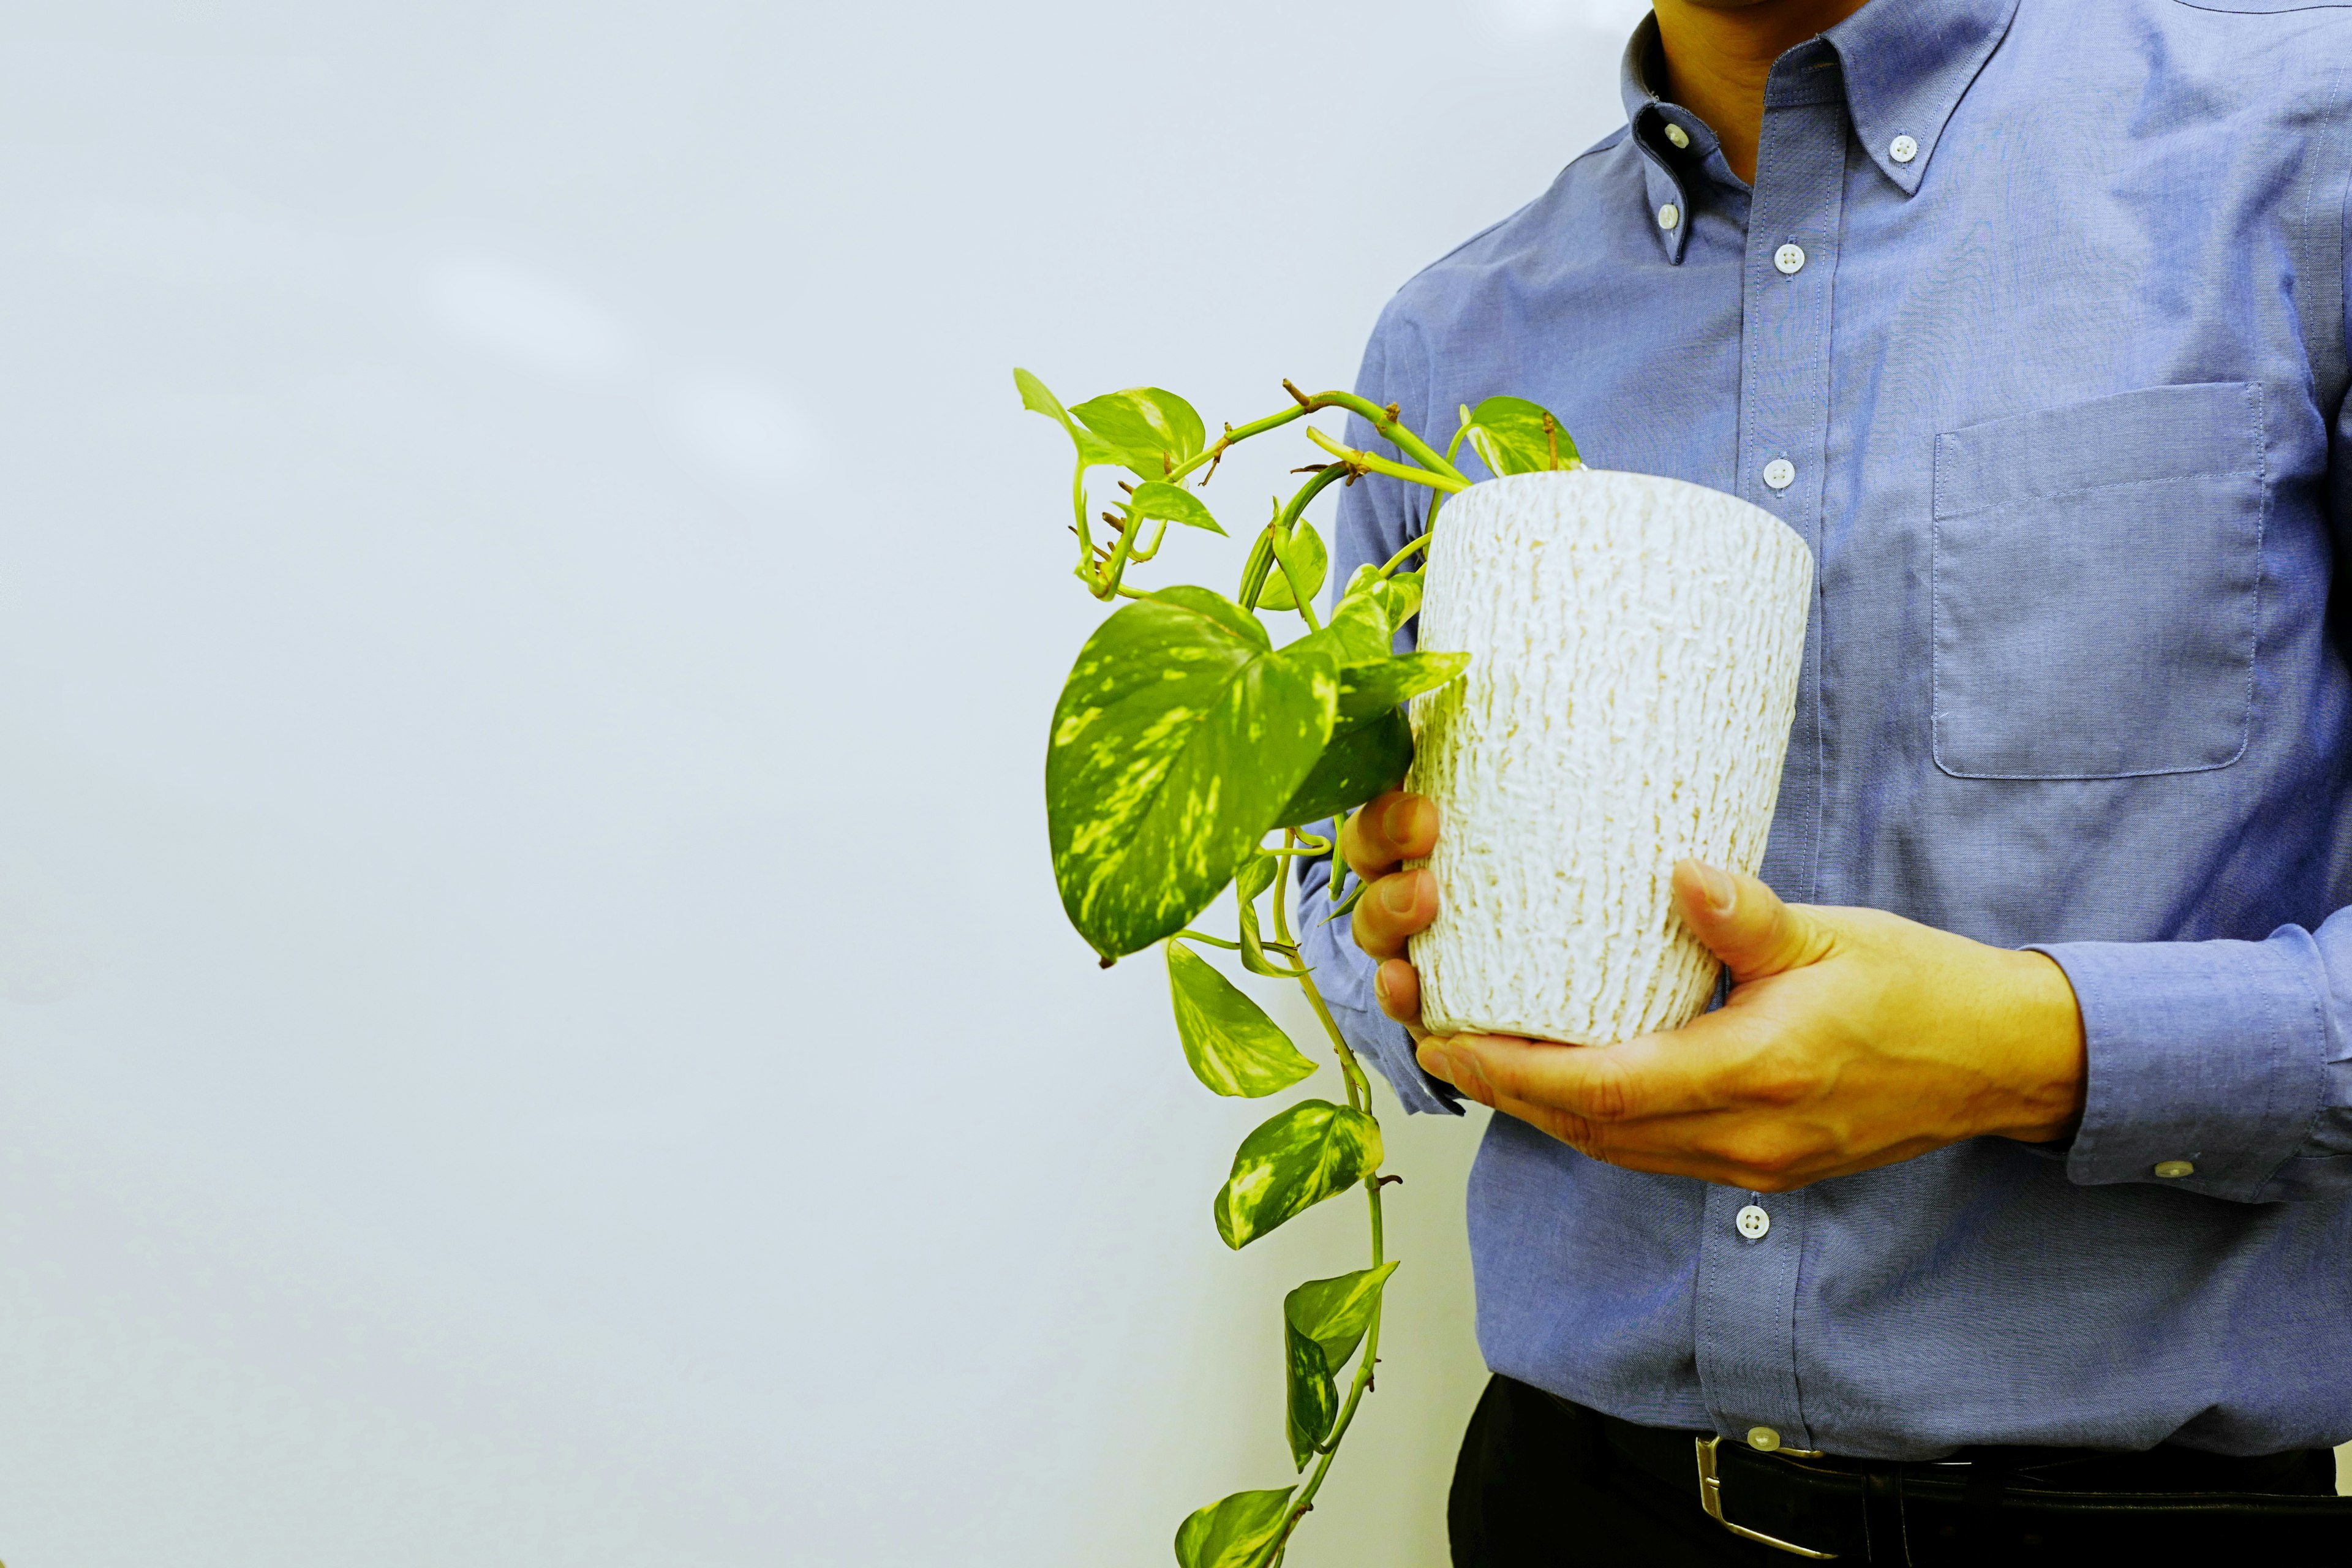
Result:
pixel 1367 688
pixel 1234 1047
pixel 1093 451
pixel 1233 1531
pixel 1159 499
pixel 1179 736
pixel 1292 1163
pixel 1361 759
pixel 1307 562
pixel 1335 1312
pixel 1311 1399
pixel 1256 876
pixel 1515 436
pixel 1151 430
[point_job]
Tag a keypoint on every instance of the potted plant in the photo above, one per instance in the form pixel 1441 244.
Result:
pixel 1631 649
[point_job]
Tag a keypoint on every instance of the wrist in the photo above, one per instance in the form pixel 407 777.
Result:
pixel 2040 1044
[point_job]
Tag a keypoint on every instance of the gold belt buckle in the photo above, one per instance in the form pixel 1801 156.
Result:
pixel 1710 1498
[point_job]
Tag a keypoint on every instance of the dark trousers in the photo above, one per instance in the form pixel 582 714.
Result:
pixel 1542 1483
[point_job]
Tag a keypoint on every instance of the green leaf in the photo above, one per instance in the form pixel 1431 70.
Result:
pixel 1308 561
pixel 1158 499
pixel 1363 759
pixel 1357 633
pixel 1150 430
pixel 1234 1048
pixel 1292 1163
pixel 1311 1399
pixel 1508 433
pixel 1254 878
pixel 1367 688
pixel 1231 1534
pixel 1335 1312
pixel 1093 449
pixel 1179 735
pixel 1398 598
pixel 1323 1321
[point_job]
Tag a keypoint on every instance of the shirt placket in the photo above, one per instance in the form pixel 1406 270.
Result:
pixel 1752 1244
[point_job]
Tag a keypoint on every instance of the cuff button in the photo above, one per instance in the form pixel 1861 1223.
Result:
pixel 2173 1170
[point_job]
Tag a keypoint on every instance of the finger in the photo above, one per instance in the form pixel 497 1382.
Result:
pixel 1690 1071
pixel 1398 986
pixel 1745 923
pixel 1392 908
pixel 1390 829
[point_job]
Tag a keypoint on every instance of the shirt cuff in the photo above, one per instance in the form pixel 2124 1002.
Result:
pixel 1344 975
pixel 2208 1060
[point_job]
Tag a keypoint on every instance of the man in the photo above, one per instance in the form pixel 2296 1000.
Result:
pixel 2004 1213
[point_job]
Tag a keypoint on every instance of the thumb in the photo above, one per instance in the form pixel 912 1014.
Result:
pixel 1744 923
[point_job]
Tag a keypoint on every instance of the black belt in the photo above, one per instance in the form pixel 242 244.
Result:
pixel 1996 1504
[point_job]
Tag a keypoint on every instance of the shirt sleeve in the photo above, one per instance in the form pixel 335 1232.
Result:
pixel 1375 518
pixel 2217 1066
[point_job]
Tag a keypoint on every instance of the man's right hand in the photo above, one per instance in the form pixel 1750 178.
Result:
pixel 1392 830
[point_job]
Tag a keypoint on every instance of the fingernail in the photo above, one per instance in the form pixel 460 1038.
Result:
pixel 1721 892
pixel 1396 894
pixel 1397 821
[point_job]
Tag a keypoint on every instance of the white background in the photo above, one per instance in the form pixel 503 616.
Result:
pixel 534 1023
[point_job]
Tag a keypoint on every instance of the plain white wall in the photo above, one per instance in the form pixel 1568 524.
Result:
pixel 534 1023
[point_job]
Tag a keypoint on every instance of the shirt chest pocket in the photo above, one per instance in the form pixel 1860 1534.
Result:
pixel 2097 574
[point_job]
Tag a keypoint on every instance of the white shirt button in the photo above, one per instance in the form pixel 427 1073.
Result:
pixel 1790 259
pixel 1779 474
pixel 1677 135
pixel 1752 1222
pixel 2173 1170
pixel 1763 1439
pixel 1904 149
pixel 1669 215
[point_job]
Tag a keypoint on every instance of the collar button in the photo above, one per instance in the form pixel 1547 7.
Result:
pixel 1904 149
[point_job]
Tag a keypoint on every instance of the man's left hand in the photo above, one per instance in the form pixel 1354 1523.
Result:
pixel 1852 1038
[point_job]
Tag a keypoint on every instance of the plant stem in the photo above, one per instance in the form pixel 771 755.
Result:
pixel 1399 557
pixel 1366 462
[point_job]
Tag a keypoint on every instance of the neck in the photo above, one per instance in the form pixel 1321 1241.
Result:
pixel 1720 52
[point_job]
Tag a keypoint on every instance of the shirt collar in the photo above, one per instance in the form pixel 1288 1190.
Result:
pixel 1905 69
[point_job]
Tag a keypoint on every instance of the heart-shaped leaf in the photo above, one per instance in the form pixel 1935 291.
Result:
pixel 1179 736
pixel 1335 1312
pixel 1233 1531
pixel 1158 499
pixel 1516 436
pixel 1311 1399
pixel 1254 878
pixel 1323 1321
pixel 1367 688
pixel 1292 1163
pixel 1307 562
pixel 1151 430
pixel 1093 450
pixel 1361 761
pixel 1234 1047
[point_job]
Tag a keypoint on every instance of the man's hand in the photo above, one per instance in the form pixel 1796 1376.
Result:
pixel 1853 1037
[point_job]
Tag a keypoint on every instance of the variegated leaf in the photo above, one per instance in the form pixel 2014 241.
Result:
pixel 1292 1163
pixel 1151 430
pixel 1360 761
pixel 1257 875
pixel 1158 499
pixel 1335 1312
pixel 1232 1532
pixel 1322 1322
pixel 1367 688
pixel 1310 1400
pixel 1307 560
pixel 1179 736
pixel 1234 1047
pixel 1510 436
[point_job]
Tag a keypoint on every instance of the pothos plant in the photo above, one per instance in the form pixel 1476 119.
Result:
pixel 1192 755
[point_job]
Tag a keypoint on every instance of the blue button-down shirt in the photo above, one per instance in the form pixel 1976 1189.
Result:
pixel 2059 378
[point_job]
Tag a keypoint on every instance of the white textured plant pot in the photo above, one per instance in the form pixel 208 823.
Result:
pixel 1634 649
